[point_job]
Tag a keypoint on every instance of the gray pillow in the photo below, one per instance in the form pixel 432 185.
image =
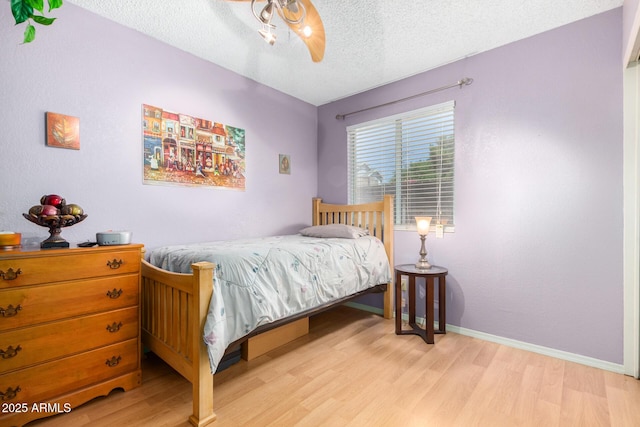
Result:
pixel 334 230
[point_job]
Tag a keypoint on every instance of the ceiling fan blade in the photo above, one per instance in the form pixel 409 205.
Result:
pixel 316 41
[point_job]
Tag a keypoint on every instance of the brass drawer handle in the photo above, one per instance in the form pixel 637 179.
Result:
pixel 113 361
pixel 10 274
pixel 115 327
pixel 115 293
pixel 115 264
pixel 10 352
pixel 10 311
pixel 11 393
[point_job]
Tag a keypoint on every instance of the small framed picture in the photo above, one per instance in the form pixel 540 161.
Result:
pixel 285 164
pixel 63 131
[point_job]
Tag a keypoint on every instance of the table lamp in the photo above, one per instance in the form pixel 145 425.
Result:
pixel 423 223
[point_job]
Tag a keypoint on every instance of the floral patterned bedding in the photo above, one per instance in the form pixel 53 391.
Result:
pixel 258 281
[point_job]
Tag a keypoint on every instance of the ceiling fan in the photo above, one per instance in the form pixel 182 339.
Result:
pixel 299 15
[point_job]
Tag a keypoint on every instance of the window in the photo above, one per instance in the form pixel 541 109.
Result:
pixel 410 156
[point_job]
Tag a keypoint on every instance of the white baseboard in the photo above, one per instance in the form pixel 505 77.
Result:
pixel 558 354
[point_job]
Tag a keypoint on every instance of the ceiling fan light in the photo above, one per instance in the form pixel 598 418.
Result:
pixel 268 36
pixel 267 14
pixel 291 11
pixel 307 31
pixel 292 5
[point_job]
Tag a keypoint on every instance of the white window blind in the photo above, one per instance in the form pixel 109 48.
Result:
pixel 410 156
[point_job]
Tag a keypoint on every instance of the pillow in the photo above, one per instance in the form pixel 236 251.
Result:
pixel 334 230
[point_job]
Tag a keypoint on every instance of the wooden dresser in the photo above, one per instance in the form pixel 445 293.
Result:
pixel 69 328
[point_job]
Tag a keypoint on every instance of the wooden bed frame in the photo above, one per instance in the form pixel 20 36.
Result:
pixel 175 305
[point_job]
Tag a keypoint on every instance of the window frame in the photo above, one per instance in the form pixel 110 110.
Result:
pixel 400 142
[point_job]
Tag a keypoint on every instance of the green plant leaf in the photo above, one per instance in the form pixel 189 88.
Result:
pixel 21 10
pixel 43 20
pixel 36 4
pixel 29 33
pixel 54 4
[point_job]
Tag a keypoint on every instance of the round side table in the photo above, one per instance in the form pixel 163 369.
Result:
pixel 412 272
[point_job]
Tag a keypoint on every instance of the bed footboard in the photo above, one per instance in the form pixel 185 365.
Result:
pixel 174 309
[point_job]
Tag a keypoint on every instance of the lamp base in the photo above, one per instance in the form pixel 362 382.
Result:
pixel 423 265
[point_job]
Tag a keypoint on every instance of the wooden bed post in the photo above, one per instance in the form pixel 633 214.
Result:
pixel 387 229
pixel 202 379
pixel 315 218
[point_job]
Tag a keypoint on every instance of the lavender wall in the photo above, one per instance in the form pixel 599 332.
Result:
pixel 537 251
pixel 89 67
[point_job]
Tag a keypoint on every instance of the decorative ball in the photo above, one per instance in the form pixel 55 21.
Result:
pixel 35 210
pixel 71 209
pixel 53 199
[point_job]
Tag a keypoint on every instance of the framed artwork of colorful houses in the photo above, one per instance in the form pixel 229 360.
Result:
pixel 179 149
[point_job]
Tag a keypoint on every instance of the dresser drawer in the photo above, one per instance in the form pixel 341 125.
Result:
pixel 23 347
pixel 39 383
pixel 29 270
pixel 31 305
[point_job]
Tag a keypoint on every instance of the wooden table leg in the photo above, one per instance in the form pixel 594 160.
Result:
pixel 429 309
pixel 398 302
pixel 412 300
pixel 442 305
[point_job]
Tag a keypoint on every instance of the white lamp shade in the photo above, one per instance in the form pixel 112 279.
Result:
pixel 423 223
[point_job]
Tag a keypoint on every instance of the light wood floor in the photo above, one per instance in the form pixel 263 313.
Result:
pixel 352 370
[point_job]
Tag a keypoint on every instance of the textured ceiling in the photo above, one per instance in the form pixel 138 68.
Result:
pixel 368 42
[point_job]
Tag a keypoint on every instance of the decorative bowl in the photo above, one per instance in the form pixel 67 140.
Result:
pixel 55 223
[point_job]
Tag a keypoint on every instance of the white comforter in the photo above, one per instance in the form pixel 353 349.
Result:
pixel 258 281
